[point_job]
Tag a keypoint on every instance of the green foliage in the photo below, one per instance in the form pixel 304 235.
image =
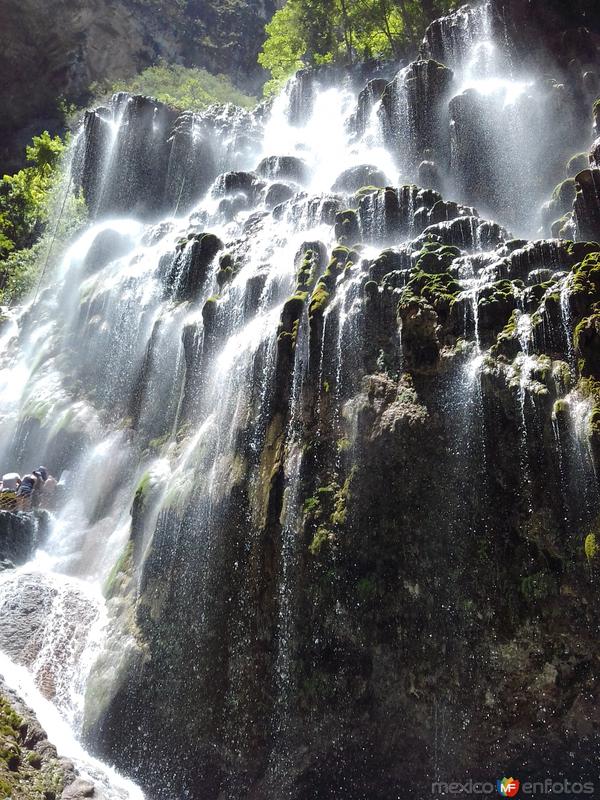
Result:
pixel 285 46
pixel 121 569
pixel 28 199
pixel 590 546
pixel 143 487
pixel 186 88
pixel 326 513
pixel 20 272
pixel 322 536
pixel 312 32
pixel 23 206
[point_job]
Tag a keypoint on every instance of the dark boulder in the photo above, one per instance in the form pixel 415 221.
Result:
pixel 415 111
pixel 192 164
pixel 21 534
pixel 354 178
pixel 189 271
pixel 232 183
pixel 587 204
pixel 367 99
pixel 106 247
pixel 347 230
pixel 594 155
pixel 577 163
pixel 127 175
pixel 278 193
pixel 380 216
pixel 560 203
pixel 283 168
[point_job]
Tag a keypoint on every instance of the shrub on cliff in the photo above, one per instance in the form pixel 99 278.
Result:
pixel 189 89
pixel 28 200
pixel 23 195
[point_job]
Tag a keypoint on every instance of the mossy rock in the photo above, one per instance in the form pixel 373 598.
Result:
pixel 436 258
pixel 564 194
pixel 364 191
pixel 386 262
pixel 577 163
pixel 587 345
pixel 228 269
pixel 538 587
pixel 585 283
pixel 507 341
pixel 579 250
pixel 561 228
pixel 342 258
pixel 560 203
pixel 121 570
pixel 347 228
pixel 354 178
pixel 209 311
pixel 326 513
pixel 25 773
pixel 319 300
pixel 292 311
pixel 440 290
pixel 371 290
pixel 560 409
pixel 496 304
pixel 515 244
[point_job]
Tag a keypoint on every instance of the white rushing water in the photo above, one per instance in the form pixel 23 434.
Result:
pixel 101 361
pixel 110 784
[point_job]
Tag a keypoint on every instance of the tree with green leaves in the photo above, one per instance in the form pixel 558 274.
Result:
pixel 311 32
pixel 23 195
pixel 27 201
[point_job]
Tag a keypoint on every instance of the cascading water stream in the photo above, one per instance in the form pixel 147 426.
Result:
pixel 109 784
pixel 193 373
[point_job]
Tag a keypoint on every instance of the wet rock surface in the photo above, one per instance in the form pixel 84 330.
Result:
pixel 30 767
pixel 20 535
pixel 363 432
pixel 44 626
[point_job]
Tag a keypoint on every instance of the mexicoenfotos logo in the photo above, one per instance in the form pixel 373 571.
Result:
pixel 508 787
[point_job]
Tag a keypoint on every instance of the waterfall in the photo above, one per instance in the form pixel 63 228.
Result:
pixel 318 416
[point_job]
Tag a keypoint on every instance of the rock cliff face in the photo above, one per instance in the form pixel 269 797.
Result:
pixel 57 52
pixel 357 426
pixel 20 536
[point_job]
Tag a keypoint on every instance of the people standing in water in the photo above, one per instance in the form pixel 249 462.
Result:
pixel 8 493
pixel 25 492
pixel 48 488
pixel 34 490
